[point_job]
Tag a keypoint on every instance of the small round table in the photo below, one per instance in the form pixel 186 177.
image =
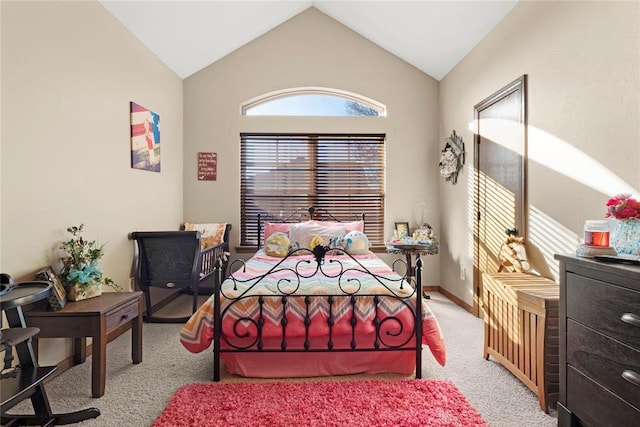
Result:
pixel 14 295
pixel 413 250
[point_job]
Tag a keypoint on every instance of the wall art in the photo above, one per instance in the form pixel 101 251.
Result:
pixel 58 295
pixel 452 158
pixel 207 166
pixel 145 138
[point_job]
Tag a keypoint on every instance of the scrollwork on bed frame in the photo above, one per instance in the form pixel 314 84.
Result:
pixel 386 328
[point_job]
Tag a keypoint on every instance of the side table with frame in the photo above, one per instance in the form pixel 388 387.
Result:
pixel 96 318
pixel 413 251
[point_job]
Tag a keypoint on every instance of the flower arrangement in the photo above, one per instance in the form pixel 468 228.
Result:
pixel 80 263
pixel 623 206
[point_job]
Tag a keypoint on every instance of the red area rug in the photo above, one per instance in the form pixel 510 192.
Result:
pixel 328 403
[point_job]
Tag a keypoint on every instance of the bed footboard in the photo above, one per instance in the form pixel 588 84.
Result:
pixel 343 308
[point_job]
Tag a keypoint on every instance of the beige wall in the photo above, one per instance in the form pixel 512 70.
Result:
pixel 582 61
pixel 69 71
pixel 313 50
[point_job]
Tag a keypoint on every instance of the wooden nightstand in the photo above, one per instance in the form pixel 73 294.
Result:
pixel 96 318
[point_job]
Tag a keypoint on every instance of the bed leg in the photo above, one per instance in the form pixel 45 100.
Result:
pixel 217 322
pixel 418 317
pixel 216 366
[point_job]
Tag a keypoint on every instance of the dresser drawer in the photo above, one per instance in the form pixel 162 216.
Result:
pixel 121 316
pixel 601 306
pixel 595 406
pixel 605 359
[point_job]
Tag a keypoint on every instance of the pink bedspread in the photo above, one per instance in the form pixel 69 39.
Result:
pixel 396 316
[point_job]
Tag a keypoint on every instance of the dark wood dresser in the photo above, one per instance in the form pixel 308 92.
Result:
pixel 599 343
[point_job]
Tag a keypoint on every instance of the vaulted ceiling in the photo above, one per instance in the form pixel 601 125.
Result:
pixel 433 36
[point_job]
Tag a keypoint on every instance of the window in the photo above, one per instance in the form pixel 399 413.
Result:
pixel 343 174
pixel 313 102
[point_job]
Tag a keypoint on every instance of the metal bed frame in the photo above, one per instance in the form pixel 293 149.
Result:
pixel 289 289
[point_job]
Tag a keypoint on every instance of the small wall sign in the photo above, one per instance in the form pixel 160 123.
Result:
pixel 207 166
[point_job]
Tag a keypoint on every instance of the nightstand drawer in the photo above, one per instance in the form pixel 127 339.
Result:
pixel 605 359
pixel 596 406
pixel 121 316
pixel 601 306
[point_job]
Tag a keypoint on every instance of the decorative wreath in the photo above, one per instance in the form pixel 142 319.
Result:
pixel 452 158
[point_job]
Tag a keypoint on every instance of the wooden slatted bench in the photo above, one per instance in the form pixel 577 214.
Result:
pixel 521 330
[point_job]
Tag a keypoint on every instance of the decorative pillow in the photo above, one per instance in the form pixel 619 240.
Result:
pixel 274 227
pixel 348 226
pixel 317 240
pixel 302 234
pixel 356 243
pixel 277 245
pixel 212 234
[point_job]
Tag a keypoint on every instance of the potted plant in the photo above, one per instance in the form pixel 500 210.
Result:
pixel 81 275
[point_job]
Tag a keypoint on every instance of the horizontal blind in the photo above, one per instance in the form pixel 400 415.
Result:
pixel 342 173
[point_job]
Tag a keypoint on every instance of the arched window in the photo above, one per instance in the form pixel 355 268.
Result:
pixel 313 101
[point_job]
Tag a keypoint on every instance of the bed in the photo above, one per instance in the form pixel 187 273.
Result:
pixel 318 304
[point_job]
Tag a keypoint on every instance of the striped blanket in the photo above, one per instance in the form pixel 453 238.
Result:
pixel 255 297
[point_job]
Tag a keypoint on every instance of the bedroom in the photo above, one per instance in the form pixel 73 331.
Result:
pixel 69 71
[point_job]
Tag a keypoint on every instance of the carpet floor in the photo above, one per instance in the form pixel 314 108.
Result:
pixel 312 403
pixel 136 395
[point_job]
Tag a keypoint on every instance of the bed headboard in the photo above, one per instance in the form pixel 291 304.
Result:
pixel 299 215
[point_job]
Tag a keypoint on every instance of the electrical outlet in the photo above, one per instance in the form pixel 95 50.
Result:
pixel 463 273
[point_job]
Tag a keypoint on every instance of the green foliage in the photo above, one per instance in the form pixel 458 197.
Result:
pixel 80 261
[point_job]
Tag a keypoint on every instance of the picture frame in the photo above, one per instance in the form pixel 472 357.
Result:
pixel 402 229
pixel 58 296
pixel 145 138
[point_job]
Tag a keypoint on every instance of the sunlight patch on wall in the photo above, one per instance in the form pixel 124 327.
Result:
pixel 498 215
pixel 472 209
pixel 549 237
pixel 552 152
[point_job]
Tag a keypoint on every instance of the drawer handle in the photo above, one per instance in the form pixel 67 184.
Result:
pixel 632 319
pixel 632 377
pixel 125 316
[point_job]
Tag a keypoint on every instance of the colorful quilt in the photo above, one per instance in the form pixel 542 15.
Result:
pixel 255 297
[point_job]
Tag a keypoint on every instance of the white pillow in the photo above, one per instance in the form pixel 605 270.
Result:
pixel 356 243
pixel 348 226
pixel 302 234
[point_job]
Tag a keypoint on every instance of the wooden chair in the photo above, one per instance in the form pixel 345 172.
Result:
pixel 169 260
pixel 26 379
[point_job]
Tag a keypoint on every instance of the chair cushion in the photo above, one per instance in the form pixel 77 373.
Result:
pixel 14 336
pixel 212 234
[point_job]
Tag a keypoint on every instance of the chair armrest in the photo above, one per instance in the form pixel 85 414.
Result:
pixel 208 256
pixel 208 259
